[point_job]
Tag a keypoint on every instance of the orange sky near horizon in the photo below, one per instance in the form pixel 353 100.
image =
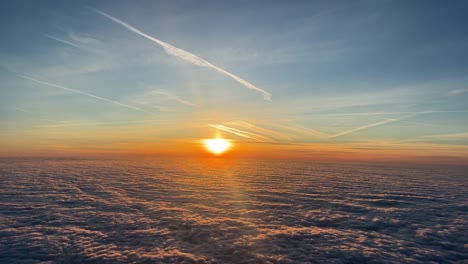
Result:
pixel 364 152
pixel 120 80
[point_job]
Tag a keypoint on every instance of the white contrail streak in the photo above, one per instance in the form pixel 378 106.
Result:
pixel 260 130
pixel 347 132
pixel 185 55
pixel 172 97
pixel 387 121
pixel 80 92
pixel 243 134
pixel 64 41
pixel 105 123
pixel 301 130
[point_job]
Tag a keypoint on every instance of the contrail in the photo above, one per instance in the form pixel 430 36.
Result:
pixel 172 97
pixel 185 55
pixel 80 92
pixel 260 130
pixel 64 41
pixel 301 130
pixel 347 132
pixel 244 134
pixel 387 121
pixel 104 123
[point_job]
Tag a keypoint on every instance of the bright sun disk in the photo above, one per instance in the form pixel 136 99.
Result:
pixel 217 145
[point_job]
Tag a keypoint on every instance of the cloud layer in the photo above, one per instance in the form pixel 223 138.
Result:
pixel 226 211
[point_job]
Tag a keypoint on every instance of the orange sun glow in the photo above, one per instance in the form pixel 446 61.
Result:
pixel 217 145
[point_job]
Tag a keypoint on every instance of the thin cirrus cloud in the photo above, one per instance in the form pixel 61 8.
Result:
pixel 80 92
pixel 185 55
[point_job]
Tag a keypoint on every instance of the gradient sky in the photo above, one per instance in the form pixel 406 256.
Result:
pixel 347 78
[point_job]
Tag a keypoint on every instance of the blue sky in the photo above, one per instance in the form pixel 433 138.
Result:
pixel 339 72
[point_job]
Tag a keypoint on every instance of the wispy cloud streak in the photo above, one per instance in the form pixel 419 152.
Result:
pixel 301 130
pixel 172 97
pixel 260 130
pixel 387 121
pixel 185 55
pixel 80 42
pixel 105 123
pixel 64 41
pixel 243 134
pixel 347 132
pixel 80 92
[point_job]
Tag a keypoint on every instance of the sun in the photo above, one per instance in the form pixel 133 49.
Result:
pixel 217 146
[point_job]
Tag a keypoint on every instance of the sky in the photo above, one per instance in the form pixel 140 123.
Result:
pixel 352 80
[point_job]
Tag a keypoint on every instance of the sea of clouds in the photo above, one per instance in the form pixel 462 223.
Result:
pixel 230 211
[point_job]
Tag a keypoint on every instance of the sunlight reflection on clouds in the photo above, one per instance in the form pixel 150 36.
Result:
pixel 228 211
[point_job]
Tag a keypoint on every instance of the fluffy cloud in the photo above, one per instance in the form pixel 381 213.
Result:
pixel 181 211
